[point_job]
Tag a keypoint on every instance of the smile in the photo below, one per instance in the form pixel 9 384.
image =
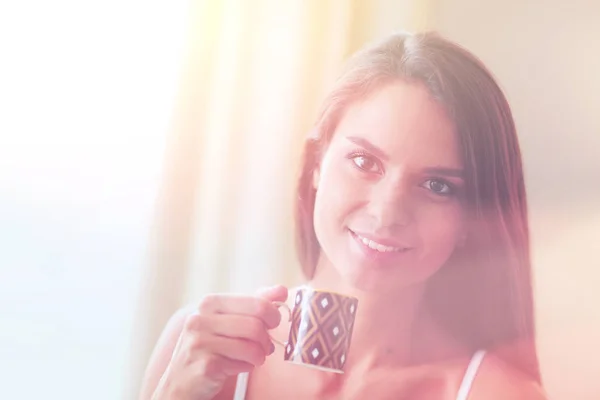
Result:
pixel 373 245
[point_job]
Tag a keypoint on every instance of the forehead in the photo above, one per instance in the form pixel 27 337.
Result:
pixel 406 122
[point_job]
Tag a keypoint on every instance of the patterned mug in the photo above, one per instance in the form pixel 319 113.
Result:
pixel 321 329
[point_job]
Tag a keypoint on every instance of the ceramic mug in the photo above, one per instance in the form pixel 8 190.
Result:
pixel 321 329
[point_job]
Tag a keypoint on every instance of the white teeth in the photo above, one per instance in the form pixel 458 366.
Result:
pixel 377 246
pixel 382 248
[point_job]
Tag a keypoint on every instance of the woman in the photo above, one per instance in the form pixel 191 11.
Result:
pixel 411 198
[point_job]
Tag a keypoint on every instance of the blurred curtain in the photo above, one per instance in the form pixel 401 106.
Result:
pixel 254 74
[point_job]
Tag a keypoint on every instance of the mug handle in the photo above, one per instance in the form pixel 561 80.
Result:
pixel 280 304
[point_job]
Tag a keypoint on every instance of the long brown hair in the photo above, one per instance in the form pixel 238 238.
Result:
pixel 483 296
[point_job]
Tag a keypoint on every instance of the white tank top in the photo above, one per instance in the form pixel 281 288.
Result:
pixel 463 390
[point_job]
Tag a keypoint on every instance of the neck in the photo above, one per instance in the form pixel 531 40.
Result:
pixel 383 328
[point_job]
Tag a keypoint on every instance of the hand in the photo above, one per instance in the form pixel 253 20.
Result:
pixel 226 335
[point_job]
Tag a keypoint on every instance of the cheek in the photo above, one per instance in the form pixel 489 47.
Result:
pixel 337 196
pixel 338 192
pixel 440 229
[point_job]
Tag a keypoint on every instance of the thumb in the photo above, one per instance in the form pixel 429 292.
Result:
pixel 273 293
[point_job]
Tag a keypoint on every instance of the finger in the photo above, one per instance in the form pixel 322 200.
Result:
pixel 274 293
pixel 277 293
pixel 241 327
pixel 253 306
pixel 236 349
pixel 232 326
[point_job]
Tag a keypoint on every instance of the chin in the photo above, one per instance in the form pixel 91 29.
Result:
pixel 373 277
pixel 366 279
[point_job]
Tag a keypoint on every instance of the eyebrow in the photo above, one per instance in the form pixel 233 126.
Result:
pixel 362 142
pixel 378 152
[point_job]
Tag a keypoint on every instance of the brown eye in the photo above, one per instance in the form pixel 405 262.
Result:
pixel 438 186
pixel 365 163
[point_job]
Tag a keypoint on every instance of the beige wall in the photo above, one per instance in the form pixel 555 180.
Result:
pixel 377 18
pixel 546 54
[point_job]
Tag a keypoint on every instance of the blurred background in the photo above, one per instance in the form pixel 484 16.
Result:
pixel 148 152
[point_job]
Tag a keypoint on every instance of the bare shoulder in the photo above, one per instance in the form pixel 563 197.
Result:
pixel 497 380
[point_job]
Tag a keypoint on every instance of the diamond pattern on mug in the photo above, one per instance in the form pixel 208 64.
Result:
pixel 321 328
pixel 333 331
pixel 338 357
pixel 325 305
pixel 315 352
pixel 293 337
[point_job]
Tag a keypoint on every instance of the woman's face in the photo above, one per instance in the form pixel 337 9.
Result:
pixel 388 210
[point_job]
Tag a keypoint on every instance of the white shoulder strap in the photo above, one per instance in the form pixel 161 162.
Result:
pixel 467 381
pixel 241 386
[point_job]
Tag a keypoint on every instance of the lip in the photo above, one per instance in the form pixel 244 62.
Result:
pixel 381 240
pixel 378 258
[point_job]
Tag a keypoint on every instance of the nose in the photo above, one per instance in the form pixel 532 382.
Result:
pixel 390 205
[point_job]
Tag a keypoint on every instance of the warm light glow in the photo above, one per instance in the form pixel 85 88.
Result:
pixel 87 91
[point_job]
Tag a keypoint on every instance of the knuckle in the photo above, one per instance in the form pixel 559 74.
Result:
pixel 189 323
pixel 194 321
pixel 188 355
pixel 198 342
pixel 256 329
pixel 208 303
pixel 262 307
